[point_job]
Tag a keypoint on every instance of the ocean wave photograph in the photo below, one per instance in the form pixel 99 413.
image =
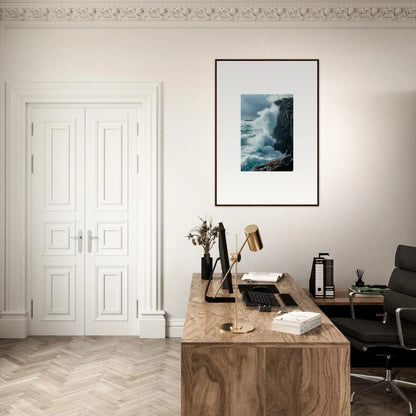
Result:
pixel 267 132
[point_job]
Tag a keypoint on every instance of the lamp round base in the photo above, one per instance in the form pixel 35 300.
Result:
pixel 241 329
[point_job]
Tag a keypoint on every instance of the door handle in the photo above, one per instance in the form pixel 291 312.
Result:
pixel 79 238
pixel 90 238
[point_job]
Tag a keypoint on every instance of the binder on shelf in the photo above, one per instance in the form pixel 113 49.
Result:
pixel 329 278
pixel 316 281
pixel 321 281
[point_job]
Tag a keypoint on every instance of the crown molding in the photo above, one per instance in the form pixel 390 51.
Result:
pixel 206 13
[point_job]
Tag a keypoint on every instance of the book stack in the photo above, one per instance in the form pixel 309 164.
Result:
pixel 369 289
pixel 296 322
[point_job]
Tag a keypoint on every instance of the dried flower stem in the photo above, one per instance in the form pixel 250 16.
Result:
pixel 204 235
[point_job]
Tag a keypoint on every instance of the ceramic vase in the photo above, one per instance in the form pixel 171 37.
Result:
pixel 206 267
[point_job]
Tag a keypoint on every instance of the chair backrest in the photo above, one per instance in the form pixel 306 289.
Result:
pixel 402 284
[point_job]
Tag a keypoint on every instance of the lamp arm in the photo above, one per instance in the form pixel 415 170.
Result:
pixel 231 267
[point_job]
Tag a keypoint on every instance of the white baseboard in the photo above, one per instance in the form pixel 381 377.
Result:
pixel 14 325
pixel 152 324
pixel 175 328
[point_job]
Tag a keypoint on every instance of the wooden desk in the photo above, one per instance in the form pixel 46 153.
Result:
pixel 262 373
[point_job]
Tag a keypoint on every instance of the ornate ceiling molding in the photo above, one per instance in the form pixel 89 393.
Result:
pixel 207 13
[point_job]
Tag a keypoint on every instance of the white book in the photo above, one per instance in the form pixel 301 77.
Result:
pixel 299 325
pixel 262 277
pixel 297 319
pixel 298 322
pixel 297 316
pixel 295 330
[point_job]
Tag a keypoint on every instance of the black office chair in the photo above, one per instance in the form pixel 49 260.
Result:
pixel 398 329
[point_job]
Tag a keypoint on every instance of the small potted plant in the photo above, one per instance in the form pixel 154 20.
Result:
pixel 204 235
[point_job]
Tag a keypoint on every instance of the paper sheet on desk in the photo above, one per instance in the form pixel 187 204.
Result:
pixel 262 277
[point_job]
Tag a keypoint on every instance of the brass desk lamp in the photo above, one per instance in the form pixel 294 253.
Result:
pixel 253 239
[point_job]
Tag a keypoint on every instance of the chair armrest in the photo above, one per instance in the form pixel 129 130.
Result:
pixel 400 329
pixel 351 295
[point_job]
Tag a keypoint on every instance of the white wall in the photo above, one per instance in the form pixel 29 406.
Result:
pixel 367 135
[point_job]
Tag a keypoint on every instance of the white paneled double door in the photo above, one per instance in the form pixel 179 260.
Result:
pixel 83 219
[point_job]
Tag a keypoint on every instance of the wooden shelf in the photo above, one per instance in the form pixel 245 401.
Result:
pixel 341 298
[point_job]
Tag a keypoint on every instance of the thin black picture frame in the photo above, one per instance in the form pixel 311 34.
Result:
pixel 217 202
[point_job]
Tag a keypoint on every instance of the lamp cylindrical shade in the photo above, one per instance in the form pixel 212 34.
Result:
pixel 253 237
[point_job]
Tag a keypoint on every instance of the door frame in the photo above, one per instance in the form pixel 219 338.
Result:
pixel 15 317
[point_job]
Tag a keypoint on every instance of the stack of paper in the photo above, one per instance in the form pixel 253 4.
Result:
pixel 374 288
pixel 262 277
pixel 296 322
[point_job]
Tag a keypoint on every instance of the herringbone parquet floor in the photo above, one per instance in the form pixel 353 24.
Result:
pixel 117 376
pixel 89 376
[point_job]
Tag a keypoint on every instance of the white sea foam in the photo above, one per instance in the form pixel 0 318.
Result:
pixel 257 142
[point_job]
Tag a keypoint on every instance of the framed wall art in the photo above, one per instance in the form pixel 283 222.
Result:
pixel 266 132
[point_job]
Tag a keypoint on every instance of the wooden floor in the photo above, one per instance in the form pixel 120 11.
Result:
pixel 376 401
pixel 94 376
pixel 118 376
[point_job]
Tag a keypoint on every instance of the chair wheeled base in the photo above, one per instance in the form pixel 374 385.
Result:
pixel 389 382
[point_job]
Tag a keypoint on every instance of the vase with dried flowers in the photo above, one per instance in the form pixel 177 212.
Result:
pixel 204 235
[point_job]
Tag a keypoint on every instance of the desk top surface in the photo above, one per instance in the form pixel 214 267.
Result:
pixel 203 319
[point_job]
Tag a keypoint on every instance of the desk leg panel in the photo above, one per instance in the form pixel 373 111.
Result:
pixel 239 380
pixel 186 380
pixel 326 381
pixel 283 380
pixel 308 381
pixel 223 380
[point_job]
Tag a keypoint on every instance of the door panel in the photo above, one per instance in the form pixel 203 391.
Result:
pixel 58 239
pixel 56 268
pixel 84 183
pixel 112 301
pixel 112 239
pixel 111 212
pixel 60 147
pixel 60 295
pixel 111 162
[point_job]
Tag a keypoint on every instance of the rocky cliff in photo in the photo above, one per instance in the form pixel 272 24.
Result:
pixel 283 134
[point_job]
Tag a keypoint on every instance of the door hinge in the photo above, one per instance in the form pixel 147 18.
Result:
pixel 32 128
pixel 137 129
pixel 31 163
pixel 31 308
pixel 138 164
pixel 137 308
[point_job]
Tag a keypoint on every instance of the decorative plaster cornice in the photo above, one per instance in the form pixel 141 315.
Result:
pixel 204 13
